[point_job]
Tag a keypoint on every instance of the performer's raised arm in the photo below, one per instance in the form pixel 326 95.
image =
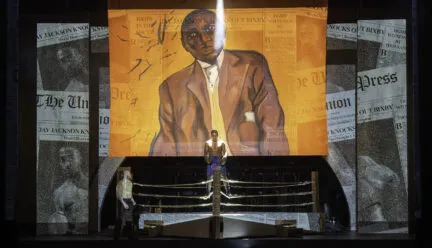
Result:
pixel 224 154
pixel 207 153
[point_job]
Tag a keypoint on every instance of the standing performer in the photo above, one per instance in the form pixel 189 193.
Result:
pixel 124 195
pixel 216 153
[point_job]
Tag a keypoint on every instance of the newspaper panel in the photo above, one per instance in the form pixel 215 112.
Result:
pixel 62 104
pixel 381 118
pixel 342 36
pixel 100 54
pixel 341 113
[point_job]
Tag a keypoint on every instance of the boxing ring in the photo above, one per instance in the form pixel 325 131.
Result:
pixel 222 222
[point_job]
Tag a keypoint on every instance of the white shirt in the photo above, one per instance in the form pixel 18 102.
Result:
pixel 212 71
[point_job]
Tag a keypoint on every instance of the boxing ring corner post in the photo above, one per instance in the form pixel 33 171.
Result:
pixel 216 191
pixel 315 198
pixel 216 221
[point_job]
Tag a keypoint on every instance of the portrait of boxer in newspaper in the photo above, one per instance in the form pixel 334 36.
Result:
pixel 382 195
pixel 64 67
pixel 231 91
pixel 70 199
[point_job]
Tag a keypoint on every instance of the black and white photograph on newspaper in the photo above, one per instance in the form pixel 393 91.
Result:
pixel 340 78
pixel 382 202
pixel 62 194
pixel 63 57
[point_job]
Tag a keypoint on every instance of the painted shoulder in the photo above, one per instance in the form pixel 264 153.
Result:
pixel 248 56
pixel 179 78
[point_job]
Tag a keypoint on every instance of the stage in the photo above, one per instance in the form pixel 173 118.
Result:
pixel 317 240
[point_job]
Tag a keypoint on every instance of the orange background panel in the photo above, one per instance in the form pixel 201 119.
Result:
pixel 291 39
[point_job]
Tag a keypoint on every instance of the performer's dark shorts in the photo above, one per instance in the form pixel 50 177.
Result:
pixel 214 161
pixel 127 214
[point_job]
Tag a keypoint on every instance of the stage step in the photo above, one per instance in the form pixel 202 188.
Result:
pixel 306 221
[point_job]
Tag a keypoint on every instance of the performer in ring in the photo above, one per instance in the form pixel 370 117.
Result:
pixel 127 204
pixel 215 153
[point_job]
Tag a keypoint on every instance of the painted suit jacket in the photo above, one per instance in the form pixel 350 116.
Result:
pixel 248 99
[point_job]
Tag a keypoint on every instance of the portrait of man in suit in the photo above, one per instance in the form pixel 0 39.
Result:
pixel 231 91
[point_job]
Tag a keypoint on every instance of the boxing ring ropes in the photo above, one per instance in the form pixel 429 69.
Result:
pixel 220 198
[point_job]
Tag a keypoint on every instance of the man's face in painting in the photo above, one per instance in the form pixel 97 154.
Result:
pixel 199 36
pixel 311 35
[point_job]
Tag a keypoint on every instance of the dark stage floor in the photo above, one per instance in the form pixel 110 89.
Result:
pixel 346 240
